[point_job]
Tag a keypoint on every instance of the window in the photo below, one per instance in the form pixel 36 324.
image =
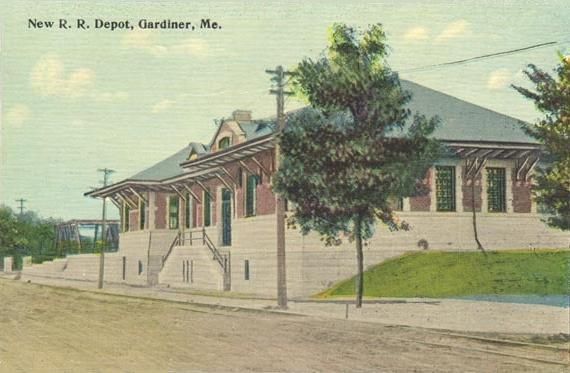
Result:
pixel 126 213
pixel 140 267
pixel 246 270
pixel 445 188
pixel 207 208
pixel 250 195
pixel 189 211
pixel 224 143
pixel 173 203
pixel 496 190
pixel 142 215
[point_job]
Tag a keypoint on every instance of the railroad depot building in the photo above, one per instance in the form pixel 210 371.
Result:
pixel 205 217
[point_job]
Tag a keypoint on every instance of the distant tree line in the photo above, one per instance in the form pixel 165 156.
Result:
pixel 27 234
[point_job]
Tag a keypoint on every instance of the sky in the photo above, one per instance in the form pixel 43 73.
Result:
pixel 74 101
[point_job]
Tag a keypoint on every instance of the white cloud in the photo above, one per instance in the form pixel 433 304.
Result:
pixel 162 105
pixel 144 40
pixel 17 115
pixel 110 96
pixel 500 79
pixel 453 30
pixel 416 34
pixel 49 78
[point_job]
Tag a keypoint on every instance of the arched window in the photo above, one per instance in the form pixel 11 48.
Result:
pixel 224 143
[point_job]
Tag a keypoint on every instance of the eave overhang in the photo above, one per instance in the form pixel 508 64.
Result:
pixel 201 169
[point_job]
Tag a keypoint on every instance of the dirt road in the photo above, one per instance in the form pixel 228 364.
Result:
pixel 44 329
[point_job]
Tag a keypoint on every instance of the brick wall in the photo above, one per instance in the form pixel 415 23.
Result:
pixel 422 202
pixel 160 210
pixel 522 197
pixel 468 192
pixel 134 220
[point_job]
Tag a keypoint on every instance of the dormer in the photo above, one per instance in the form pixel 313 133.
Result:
pixel 230 132
pixel 196 149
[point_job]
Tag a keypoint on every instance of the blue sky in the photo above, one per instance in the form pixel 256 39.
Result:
pixel 73 101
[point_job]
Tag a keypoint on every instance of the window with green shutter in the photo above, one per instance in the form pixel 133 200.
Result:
pixel 496 190
pixel 173 204
pixel 207 209
pixel 445 188
pixel 250 195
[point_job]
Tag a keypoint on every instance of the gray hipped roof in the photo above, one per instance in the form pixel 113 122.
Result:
pixel 170 166
pixel 255 129
pixel 462 120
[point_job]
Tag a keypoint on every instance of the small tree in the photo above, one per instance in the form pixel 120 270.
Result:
pixel 552 98
pixel 357 148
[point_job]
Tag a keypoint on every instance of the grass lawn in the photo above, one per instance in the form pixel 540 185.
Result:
pixel 445 274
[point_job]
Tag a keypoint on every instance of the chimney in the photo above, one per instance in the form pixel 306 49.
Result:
pixel 242 115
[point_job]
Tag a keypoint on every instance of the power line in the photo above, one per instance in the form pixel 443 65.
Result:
pixel 481 57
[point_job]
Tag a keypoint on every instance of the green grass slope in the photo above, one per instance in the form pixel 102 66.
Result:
pixel 447 274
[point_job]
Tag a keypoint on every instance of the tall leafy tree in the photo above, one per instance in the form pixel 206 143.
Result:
pixel 551 96
pixel 26 234
pixel 357 148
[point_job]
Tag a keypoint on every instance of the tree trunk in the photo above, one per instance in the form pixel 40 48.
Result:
pixel 359 260
pixel 479 246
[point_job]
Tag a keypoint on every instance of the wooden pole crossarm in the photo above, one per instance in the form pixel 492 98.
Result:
pixel 138 195
pixel 234 181
pixel 258 163
pixel 246 167
pixel 205 190
pixel 126 200
pixel 225 182
pixel 192 193
pixel 178 192
pixel 521 167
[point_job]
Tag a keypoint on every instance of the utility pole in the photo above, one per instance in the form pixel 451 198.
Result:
pixel 279 92
pixel 106 172
pixel 21 207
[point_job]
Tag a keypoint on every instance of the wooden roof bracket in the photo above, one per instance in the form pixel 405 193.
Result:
pixel 247 169
pixel 531 168
pixel 263 169
pixel 178 192
pixel 138 195
pixel 192 193
pixel 126 200
pixel 206 190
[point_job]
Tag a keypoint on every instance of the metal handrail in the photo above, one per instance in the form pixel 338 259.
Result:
pixel 193 235
pixel 174 243
pixel 217 255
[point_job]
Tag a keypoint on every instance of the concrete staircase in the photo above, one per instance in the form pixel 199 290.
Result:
pixel 192 267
